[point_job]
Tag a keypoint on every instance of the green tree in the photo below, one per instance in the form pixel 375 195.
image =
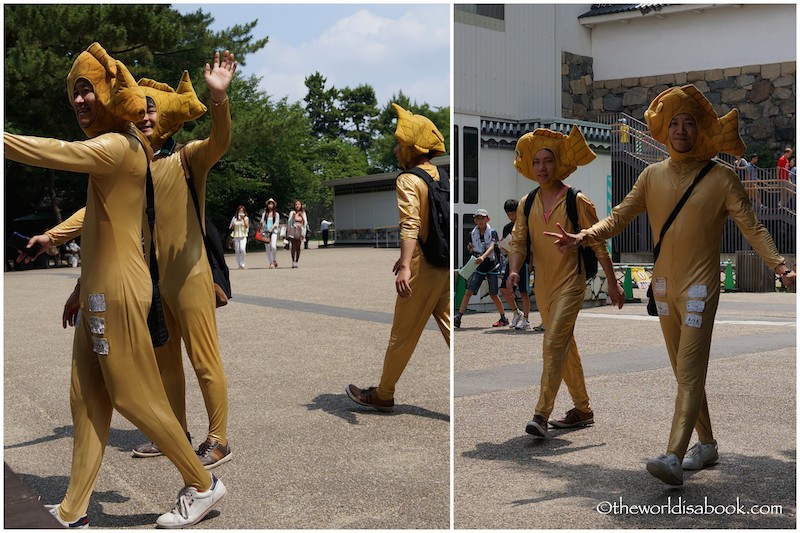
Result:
pixel 359 108
pixel 381 153
pixel 42 42
pixel 321 107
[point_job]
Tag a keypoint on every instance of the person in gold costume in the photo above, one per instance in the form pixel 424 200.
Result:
pixel 686 283
pixel 184 272
pixel 422 289
pixel 548 157
pixel 113 361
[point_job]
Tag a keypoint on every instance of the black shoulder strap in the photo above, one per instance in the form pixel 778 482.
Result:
pixel 192 190
pixel 151 215
pixel 572 208
pixel 671 218
pixel 527 210
pixel 572 214
pixel 427 178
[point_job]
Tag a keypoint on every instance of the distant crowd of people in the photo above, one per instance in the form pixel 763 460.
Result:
pixel 268 230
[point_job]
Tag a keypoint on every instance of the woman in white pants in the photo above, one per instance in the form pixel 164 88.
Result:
pixel 269 225
pixel 240 224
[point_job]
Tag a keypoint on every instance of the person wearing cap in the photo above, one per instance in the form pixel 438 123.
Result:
pixel 422 288
pixel 484 246
pixel 686 283
pixel 548 157
pixel 269 225
pixel 113 362
pixel 184 272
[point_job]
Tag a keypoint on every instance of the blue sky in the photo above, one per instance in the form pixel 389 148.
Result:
pixel 388 46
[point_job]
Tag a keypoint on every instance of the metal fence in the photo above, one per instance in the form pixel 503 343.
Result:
pixel 632 148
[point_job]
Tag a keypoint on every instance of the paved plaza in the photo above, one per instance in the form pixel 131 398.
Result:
pixel 304 455
pixel 594 477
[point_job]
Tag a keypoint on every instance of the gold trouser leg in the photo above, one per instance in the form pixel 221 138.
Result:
pixel 560 358
pixel 198 327
pixel 170 365
pixel 689 350
pixel 431 296
pixel 127 379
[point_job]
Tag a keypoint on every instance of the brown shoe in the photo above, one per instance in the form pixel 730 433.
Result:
pixel 212 454
pixel 148 449
pixel 369 397
pixel 574 419
pixel 537 427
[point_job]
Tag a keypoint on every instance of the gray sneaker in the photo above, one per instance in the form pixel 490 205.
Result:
pixel 515 319
pixel 667 468
pixel 523 324
pixel 700 456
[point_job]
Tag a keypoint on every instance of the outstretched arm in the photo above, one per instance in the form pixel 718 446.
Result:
pixel 204 154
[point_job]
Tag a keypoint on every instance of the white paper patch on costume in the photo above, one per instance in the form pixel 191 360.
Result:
pixel 694 321
pixel 97 325
pixel 696 306
pixel 97 303
pixel 698 291
pixel 662 308
pixel 660 287
pixel 100 346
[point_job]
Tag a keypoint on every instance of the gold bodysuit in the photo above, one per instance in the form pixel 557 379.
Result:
pixel 686 281
pixel 113 362
pixel 560 292
pixel 430 284
pixel 185 275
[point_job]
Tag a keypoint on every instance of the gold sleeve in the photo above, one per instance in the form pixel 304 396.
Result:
pixel 408 203
pixel 99 155
pixel 741 211
pixel 621 215
pixel 587 217
pixel 205 153
pixel 68 229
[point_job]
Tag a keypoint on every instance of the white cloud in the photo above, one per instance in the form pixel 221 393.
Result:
pixel 409 53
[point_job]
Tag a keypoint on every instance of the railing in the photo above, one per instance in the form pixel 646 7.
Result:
pixel 387 237
pixel 632 149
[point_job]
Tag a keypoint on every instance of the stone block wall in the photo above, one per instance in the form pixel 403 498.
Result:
pixel 764 94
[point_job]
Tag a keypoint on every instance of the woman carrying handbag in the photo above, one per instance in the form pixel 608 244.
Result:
pixel 296 230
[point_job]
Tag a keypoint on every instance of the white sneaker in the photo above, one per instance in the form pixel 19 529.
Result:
pixel 515 320
pixel 192 505
pixel 80 523
pixel 523 324
pixel 667 468
pixel 700 456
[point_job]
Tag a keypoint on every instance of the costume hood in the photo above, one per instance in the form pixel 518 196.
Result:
pixel 570 151
pixel 714 134
pixel 174 107
pixel 118 98
pixel 416 135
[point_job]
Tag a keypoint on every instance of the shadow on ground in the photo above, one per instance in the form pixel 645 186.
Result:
pixel 747 480
pixel 343 407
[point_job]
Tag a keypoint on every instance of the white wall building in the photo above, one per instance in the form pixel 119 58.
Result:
pixel 507 81
pixel 509 78
pixel 365 208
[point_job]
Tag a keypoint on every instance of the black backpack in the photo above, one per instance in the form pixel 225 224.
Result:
pixel 437 247
pixel 589 259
